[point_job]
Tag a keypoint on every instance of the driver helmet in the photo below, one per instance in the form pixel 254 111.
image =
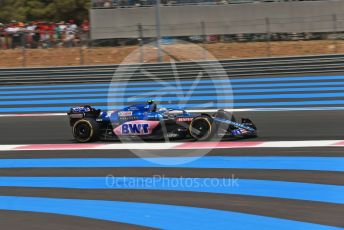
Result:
pixel 152 105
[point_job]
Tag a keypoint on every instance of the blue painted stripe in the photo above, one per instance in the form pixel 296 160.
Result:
pixel 176 82
pixel 116 99
pixel 166 99
pixel 288 163
pixel 299 109
pixel 303 84
pixel 265 188
pixel 153 215
pixel 184 89
pixel 233 80
pixel 40 109
pixel 286 96
pixel 305 78
pixel 188 106
pixel 160 88
pixel 288 103
pixel 281 85
pixel 282 90
pixel 248 109
pixel 196 91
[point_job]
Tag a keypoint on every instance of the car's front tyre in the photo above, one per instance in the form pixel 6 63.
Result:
pixel 201 128
pixel 86 130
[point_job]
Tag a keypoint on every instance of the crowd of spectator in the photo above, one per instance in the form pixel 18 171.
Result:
pixel 43 34
pixel 132 3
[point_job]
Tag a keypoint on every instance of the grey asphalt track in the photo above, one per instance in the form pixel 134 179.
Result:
pixel 275 125
pixel 39 221
pixel 272 126
pixel 292 125
pixel 308 211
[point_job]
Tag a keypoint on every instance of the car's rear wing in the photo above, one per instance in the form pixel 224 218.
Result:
pixel 81 112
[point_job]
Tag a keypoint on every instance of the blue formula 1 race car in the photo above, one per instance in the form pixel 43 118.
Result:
pixel 147 121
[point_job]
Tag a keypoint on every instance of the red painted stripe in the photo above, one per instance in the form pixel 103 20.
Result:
pixel 57 146
pixel 187 145
pixel 207 145
pixel 339 143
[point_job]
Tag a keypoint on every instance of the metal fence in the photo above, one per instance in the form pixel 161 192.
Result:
pixel 39 39
pixel 227 49
pixel 219 20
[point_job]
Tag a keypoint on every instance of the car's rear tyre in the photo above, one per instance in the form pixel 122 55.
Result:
pixel 201 128
pixel 86 130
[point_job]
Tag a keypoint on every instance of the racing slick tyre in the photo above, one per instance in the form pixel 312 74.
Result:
pixel 201 128
pixel 86 130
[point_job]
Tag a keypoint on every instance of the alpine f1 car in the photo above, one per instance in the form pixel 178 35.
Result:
pixel 147 121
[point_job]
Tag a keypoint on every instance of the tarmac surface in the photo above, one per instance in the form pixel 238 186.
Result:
pixel 292 198
pixel 273 126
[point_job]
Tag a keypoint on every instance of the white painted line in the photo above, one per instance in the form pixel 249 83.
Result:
pixel 9 147
pixel 65 114
pixel 34 115
pixel 296 144
pixel 197 111
pixel 138 146
pixel 166 146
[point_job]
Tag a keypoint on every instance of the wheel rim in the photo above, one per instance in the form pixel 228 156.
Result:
pixel 200 128
pixel 82 131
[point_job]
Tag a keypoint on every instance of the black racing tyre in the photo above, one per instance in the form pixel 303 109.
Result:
pixel 201 128
pixel 86 130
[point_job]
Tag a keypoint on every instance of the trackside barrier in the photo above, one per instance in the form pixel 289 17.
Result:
pixel 254 67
